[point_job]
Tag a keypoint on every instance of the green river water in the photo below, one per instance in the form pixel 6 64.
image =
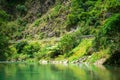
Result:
pixel 27 71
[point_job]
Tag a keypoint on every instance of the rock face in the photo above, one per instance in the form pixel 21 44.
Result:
pixel 37 7
pixel 34 8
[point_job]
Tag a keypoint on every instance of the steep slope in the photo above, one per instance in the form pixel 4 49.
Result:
pixel 53 23
pixel 80 30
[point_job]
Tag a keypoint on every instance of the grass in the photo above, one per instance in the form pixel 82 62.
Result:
pixel 81 49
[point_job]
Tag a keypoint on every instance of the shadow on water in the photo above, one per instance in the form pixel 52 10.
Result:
pixel 24 71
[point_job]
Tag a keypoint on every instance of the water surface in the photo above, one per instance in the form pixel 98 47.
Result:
pixel 25 71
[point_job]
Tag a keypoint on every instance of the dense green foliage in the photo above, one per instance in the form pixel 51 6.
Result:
pixel 109 37
pixel 3 36
pixel 59 29
pixel 109 34
pixel 3 47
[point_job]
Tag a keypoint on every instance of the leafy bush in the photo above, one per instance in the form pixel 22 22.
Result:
pixel 19 46
pixel 43 52
pixel 31 49
pixel 69 41
pixel 66 43
pixel 72 19
pixel 21 8
pixel 3 46
pixel 54 52
pixel 3 16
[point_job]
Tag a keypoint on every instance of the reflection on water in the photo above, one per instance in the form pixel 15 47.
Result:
pixel 23 71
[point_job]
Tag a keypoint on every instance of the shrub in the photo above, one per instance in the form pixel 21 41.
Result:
pixel 3 16
pixel 19 46
pixel 69 41
pixel 43 52
pixel 54 52
pixel 31 48
pixel 72 19
pixel 21 8
pixel 3 46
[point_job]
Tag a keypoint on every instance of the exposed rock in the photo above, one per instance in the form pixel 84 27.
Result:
pixel 53 61
pixel 100 62
pixel 43 62
pixel 80 60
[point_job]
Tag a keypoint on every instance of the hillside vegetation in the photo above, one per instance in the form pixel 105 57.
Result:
pixel 73 30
